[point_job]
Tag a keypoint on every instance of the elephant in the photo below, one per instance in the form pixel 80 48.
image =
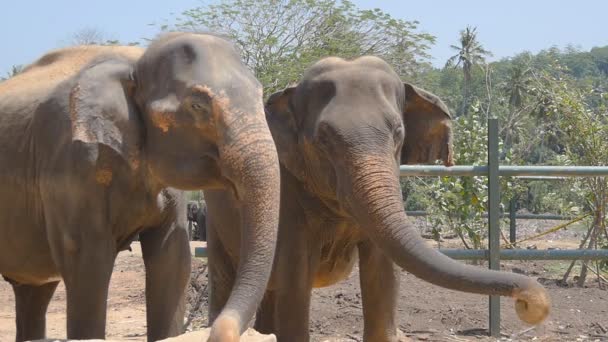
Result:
pixel 191 212
pixel 197 213
pixel 96 145
pixel 341 134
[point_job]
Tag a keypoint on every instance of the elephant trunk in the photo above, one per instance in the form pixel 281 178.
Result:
pixel 376 197
pixel 249 159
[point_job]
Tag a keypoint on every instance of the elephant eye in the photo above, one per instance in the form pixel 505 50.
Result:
pixel 399 135
pixel 200 108
pixel 398 138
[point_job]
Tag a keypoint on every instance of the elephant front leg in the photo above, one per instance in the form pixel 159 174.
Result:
pixel 166 254
pixel 86 269
pixel 266 318
pixel 295 268
pixel 379 291
pixel 31 303
pixel 221 273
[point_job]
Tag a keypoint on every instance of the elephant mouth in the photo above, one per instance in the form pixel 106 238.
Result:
pixel 212 158
pixel 212 154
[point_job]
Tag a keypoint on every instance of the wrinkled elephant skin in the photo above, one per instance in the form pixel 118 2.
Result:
pixel 341 135
pixel 94 143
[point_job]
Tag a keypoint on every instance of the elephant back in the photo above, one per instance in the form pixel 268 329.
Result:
pixel 41 77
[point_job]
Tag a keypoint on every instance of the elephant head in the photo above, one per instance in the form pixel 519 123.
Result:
pixel 192 210
pixel 344 130
pixel 203 126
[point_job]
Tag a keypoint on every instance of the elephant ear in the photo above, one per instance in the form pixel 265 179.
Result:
pixel 428 128
pixel 102 111
pixel 284 130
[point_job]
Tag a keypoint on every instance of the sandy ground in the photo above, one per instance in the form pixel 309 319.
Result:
pixel 425 312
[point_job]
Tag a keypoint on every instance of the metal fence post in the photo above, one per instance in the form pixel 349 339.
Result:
pixel 512 221
pixel 494 219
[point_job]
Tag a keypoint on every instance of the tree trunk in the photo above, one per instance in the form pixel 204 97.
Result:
pixel 465 89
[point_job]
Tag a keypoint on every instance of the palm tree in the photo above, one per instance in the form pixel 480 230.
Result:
pixel 470 53
pixel 517 84
pixel 516 87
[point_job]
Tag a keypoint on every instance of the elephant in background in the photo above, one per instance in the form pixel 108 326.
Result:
pixel 341 135
pixel 197 226
pixel 94 140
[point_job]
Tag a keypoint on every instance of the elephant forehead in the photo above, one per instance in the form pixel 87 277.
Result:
pixel 362 67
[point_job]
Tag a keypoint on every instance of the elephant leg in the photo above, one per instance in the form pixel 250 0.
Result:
pixel 31 303
pixel 295 268
pixel 190 231
pixel 265 321
pixel 86 270
pixel 293 311
pixel 202 229
pixel 166 254
pixel 221 273
pixel 379 291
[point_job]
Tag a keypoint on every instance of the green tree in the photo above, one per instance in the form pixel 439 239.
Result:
pixel 15 70
pixel 279 39
pixel 600 56
pixel 583 132
pixel 458 203
pixel 470 53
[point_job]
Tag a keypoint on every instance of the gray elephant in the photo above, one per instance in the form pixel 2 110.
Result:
pixel 341 135
pixel 197 226
pixel 92 141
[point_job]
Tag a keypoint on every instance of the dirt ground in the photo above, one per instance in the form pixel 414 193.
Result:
pixel 425 312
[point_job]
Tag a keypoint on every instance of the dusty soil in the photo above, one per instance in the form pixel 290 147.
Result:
pixel 425 312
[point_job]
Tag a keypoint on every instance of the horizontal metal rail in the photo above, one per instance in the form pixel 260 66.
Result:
pixel 540 178
pixel 528 254
pixel 419 213
pixel 503 170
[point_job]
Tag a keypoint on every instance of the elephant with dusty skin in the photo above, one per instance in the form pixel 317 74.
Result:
pixel 341 135
pixel 93 140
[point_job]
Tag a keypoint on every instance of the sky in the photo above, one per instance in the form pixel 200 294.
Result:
pixel 30 28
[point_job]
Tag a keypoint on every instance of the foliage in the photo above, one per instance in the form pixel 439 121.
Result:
pixel 15 70
pixel 93 36
pixel 582 131
pixel 197 196
pixel 458 203
pixel 279 39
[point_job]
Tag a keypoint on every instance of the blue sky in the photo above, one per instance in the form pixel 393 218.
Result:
pixel 29 28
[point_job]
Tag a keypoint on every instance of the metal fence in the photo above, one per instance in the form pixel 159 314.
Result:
pixel 493 171
pixel 512 215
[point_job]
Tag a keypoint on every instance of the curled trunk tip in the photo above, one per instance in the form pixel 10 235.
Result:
pixel 532 304
pixel 225 329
